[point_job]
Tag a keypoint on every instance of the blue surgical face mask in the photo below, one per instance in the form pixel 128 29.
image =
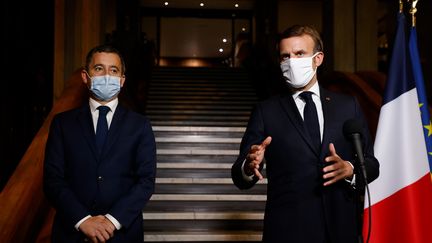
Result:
pixel 105 87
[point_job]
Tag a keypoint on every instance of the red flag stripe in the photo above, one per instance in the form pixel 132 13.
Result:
pixel 409 210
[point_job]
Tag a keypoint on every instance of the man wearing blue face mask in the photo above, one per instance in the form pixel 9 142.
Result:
pixel 100 160
pixel 310 166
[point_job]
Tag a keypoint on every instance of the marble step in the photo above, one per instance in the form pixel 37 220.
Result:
pixel 201 86
pixel 197 139
pixel 227 215
pixel 197 145
pixel 204 206
pixel 197 117
pixel 197 129
pixel 222 236
pixel 203 189
pixel 208 197
pixel 204 96
pixel 249 102
pixel 196 112
pixel 176 107
pixel 194 158
pixel 200 181
pixel 193 151
pixel 196 165
pixel 202 225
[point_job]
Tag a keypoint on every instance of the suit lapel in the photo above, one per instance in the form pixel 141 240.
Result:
pixel 326 102
pixel 293 114
pixel 114 129
pixel 86 123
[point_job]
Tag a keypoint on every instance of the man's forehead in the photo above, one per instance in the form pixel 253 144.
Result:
pixel 103 58
pixel 297 43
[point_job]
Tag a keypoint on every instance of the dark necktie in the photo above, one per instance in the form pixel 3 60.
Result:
pixel 102 127
pixel 310 117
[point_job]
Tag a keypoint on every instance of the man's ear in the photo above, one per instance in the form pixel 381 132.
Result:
pixel 122 80
pixel 84 76
pixel 319 58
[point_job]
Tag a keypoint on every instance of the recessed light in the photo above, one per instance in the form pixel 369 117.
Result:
pixel 166 3
pixel 202 4
pixel 220 50
pixel 243 29
pixel 224 40
pixel 236 5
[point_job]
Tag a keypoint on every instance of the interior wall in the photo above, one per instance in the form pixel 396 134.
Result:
pixel 195 37
pixel 299 12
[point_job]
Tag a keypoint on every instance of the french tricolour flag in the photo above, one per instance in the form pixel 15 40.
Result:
pixel 401 197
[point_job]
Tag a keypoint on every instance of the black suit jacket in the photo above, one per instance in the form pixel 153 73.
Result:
pixel 299 208
pixel 79 182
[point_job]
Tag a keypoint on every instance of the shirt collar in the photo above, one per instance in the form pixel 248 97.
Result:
pixel 314 89
pixel 94 104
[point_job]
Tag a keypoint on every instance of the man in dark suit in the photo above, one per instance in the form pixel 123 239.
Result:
pixel 310 166
pixel 100 160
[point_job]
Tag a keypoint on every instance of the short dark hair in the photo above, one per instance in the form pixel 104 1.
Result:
pixel 108 49
pixel 299 30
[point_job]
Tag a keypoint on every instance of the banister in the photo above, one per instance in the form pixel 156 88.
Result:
pixel 22 202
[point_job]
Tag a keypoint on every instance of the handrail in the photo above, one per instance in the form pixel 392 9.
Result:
pixel 22 202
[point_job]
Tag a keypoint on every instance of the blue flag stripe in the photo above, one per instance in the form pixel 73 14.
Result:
pixel 400 78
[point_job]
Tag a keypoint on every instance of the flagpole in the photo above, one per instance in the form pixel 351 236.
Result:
pixel 413 11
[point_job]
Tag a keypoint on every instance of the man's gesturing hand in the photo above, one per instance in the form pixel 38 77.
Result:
pixel 338 170
pixel 255 158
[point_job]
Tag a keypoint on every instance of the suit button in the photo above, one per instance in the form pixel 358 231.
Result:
pixel 99 178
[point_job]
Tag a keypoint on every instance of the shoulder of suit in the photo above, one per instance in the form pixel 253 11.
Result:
pixel 327 94
pixel 71 112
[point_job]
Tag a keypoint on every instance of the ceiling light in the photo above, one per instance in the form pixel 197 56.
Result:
pixel 220 50
pixel 236 5
pixel 243 29
pixel 166 3
pixel 224 40
pixel 202 4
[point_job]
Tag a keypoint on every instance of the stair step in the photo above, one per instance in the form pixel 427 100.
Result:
pixel 202 165
pixel 208 197
pixel 197 151
pixel 239 236
pixel 198 129
pixel 197 139
pixel 207 112
pixel 203 215
pixel 219 181
pixel 203 206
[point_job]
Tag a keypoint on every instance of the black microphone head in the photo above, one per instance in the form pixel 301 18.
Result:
pixel 351 127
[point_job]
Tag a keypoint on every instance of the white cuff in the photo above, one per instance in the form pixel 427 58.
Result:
pixel 246 177
pixel 113 221
pixel 77 225
pixel 352 181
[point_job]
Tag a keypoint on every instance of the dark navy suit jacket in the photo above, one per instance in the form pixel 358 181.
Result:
pixel 79 182
pixel 299 208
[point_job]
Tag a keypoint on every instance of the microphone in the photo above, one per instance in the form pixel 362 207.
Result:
pixel 352 130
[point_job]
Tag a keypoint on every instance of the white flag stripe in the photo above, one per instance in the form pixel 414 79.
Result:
pixel 399 147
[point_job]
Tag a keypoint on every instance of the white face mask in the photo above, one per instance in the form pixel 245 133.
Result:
pixel 298 72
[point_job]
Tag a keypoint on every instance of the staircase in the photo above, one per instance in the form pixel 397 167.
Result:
pixel 199 116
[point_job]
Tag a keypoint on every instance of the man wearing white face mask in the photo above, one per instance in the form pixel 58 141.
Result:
pixel 100 160
pixel 310 166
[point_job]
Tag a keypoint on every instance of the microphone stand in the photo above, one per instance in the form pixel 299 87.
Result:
pixel 363 174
